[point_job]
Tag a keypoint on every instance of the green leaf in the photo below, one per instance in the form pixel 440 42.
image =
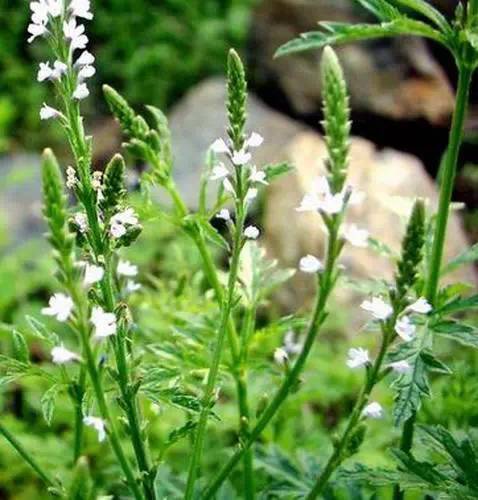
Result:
pixel 425 470
pixel 81 487
pixel 434 364
pixel 469 256
pixel 181 432
pixel 426 10
pixel 20 347
pixel 48 402
pixel 42 332
pixel 458 305
pixel 459 332
pixel 383 10
pixel 340 33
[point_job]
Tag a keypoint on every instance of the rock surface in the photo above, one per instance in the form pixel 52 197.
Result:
pixel 395 78
pixel 389 179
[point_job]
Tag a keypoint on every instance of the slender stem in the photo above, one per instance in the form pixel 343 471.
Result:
pixel 27 457
pixel 372 378
pixel 213 371
pixel 446 191
pixel 327 282
pixel 79 426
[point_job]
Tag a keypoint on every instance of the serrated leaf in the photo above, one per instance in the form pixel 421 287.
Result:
pixel 459 305
pixel 459 332
pixel 433 363
pixel 425 470
pixel 20 347
pixel 181 432
pixel 340 33
pixel 274 171
pixel 469 256
pixel 425 9
pixel 42 332
pixel 48 401
pixel 383 10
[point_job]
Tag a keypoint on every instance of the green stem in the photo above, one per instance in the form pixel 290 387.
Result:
pixel 446 191
pixel 326 285
pixel 27 457
pixel 79 426
pixel 338 455
pixel 226 306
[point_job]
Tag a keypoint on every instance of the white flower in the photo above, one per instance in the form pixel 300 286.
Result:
pixel 332 204
pixel 255 140
pixel 322 199
pixel 60 355
pixel 224 214
pixel 93 274
pixel 228 187
pixel 251 232
pixel 219 146
pixel 86 59
pixel 126 217
pixel 310 264
pixel 240 158
pixel 400 366
pixel 280 356
pixel 250 195
pixel 405 329
pixel 86 72
pixel 98 424
pixel 357 357
pixel 39 12
pixel 35 31
pixel 81 92
pixel 81 220
pixel 47 112
pixel 104 323
pixel 117 230
pixel 81 8
pixel 45 72
pixel 258 176
pixel 355 236
pixel 59 306
pixel 420 306
pixel 290 345
pixel 60 68
pixel 132 286
pixel 309 203
pixel 55 7
pixel 75 33
pixel 378 308
pixel 71 179
pixel 125 268
pixel 373 410
pixel 219 172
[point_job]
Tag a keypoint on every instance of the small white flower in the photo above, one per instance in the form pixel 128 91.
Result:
pixel 400 366
pixel 126 217
pixel 219 172
pixel 420 306
pixel 224 214
pixel 290 345
pixel 81 8
pixel 280 356
pixel 117 230
pixel 71 179
pixel 75 33
pixel 250 195
pixel 310 203
pixel 96 180
pixel 86 59
pixel 104 323
pixel 125 268
pixel 228 187
pixel 55 7
pixel 60 306
pixel 98 424
pixel 373 410
pixel 255 140
pixel 322 199
pixel 45 72
pixel 93 274
pixel 405 329
pixel 35 31
pixel 310 264
pixel 332 204
pixel 39 12
pixel 240 158
pixel 59 69
pixel 251 232
pixel 355 236
pixel 81 92
pixel 60 355
pixel 81 220
pixel 357 357
pixel 258 176
pixel 47 112
pixel 378 308
pixel 132 286
pixel 86 72
pixel 219 146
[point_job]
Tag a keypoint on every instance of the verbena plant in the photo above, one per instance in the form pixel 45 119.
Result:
pixel 111 368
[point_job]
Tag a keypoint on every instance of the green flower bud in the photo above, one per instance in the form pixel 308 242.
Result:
pixel 412 250
pixel 336 120
pixel 236 99
pixel 114 190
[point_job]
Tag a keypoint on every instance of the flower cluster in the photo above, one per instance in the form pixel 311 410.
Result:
pixel 48 19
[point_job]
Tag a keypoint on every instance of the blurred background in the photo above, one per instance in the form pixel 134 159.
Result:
pixel 172 54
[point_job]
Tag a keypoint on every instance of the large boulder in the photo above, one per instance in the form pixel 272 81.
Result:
pixel 390 181
pixel 394 78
